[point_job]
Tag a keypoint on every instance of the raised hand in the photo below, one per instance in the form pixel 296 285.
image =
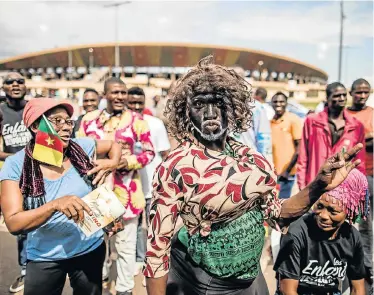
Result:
pixel 336 169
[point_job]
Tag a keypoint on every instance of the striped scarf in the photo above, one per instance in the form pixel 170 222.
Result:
pixel 31 181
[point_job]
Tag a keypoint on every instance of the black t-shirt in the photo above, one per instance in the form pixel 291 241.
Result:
pixel 13 132
pixel 319 265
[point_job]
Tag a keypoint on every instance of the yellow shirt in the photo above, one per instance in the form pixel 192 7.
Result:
pixel 284 132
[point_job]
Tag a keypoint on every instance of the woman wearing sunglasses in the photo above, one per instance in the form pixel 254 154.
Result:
pixel 44 201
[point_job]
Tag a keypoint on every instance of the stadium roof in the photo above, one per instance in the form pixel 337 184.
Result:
pixel 161 55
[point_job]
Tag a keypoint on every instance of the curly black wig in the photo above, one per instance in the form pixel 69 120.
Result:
pixel 207 77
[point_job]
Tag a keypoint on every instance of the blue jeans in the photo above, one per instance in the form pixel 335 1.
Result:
pixel 22 257
pixel 141 238
pixel 286 187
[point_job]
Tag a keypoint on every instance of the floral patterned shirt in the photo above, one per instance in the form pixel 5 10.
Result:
pixel 132 132
pixel 204 187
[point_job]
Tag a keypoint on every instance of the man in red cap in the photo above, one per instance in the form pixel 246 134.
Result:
pixel 13 137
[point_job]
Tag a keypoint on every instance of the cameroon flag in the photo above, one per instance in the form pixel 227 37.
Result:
pixel 48 145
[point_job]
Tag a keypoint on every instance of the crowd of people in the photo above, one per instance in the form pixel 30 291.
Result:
pixel 202 173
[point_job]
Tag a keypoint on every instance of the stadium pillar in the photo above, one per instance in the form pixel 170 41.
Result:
pixel 70 58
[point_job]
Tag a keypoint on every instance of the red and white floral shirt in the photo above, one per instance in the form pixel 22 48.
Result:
pixel 203 186
pixel 132 132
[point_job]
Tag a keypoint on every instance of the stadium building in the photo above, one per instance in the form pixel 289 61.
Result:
pixel 66 72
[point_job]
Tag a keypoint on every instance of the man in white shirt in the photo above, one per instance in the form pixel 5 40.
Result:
pixel 161 144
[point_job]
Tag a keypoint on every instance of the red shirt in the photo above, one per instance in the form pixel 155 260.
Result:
pixel 366 117
pixel 316 144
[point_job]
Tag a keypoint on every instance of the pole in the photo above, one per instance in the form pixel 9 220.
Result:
pixel 116 31
pixel 90 59
pixel 342 17
pixel 116 52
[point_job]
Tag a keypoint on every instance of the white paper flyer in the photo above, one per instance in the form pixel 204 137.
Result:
pixel 105 207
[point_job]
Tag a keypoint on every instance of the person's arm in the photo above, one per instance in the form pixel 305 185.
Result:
pixel 3 155
pixel 108 148
pixel 332 173
pixel 302 159
pixel 157 286
pixel 16 219
pixel 19 221
pixel 135 162
pixel 165 208
pixel 288 286
pixel 358 287
pixel 103 167
pixel 293 161
pixel 296 133
pixel 288 262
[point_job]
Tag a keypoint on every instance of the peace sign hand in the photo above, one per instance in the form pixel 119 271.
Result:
pixel 336 169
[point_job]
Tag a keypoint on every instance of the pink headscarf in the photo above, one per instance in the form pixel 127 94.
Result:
pixel 353 194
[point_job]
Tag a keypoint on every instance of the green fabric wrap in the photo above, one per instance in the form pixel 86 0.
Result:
pixel 232 249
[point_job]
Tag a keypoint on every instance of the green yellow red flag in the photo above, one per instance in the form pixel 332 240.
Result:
pixel 48 145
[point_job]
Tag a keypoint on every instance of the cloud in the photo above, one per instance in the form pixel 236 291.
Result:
pixel 319 24
pixel 305 30
pixel 71 23
pixel 322 50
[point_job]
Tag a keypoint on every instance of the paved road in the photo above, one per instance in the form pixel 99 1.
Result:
pixel 9 269
pixel 8 262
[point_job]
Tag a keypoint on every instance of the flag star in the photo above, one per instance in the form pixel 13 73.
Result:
pixel 49 141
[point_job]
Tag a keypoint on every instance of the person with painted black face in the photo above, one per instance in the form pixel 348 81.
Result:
pixel 327 133
pixel 13 138
pixel 221 189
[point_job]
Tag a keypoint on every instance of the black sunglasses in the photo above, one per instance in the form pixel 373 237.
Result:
pixel 11 81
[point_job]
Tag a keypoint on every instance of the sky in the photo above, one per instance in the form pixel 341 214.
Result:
pixel 304 30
